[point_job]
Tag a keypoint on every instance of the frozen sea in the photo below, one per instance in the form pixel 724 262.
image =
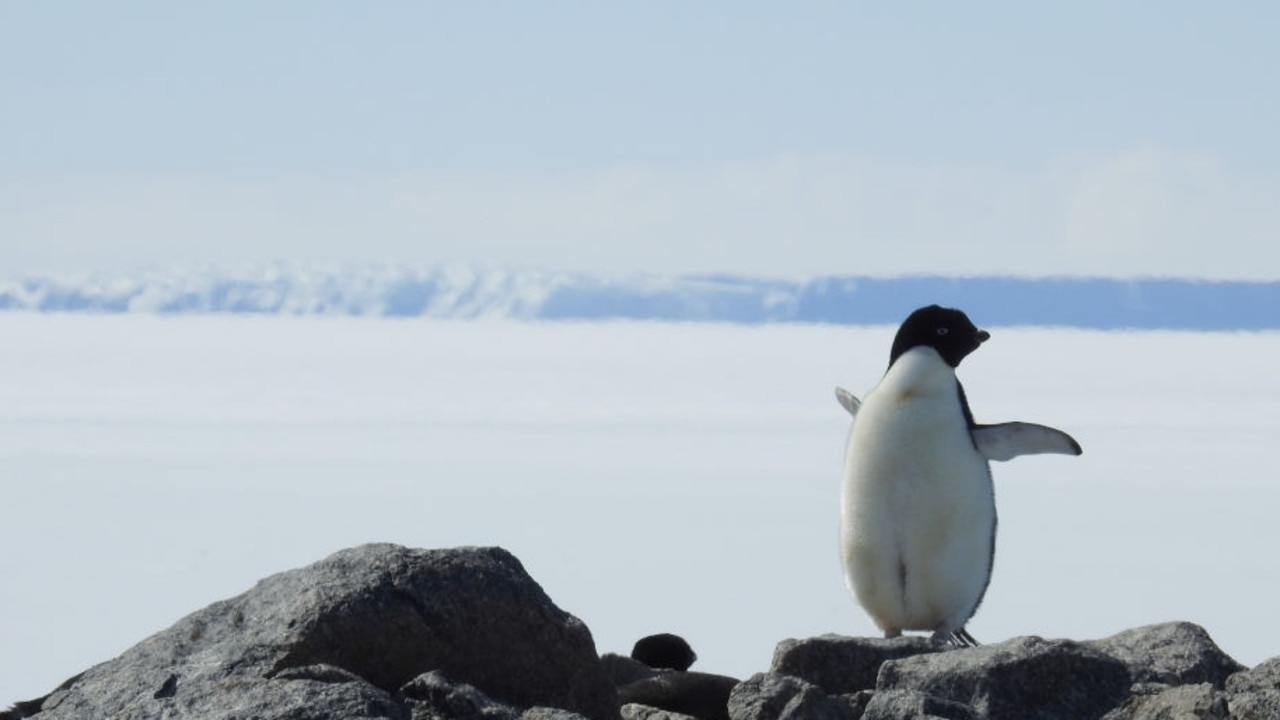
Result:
pixel 652 477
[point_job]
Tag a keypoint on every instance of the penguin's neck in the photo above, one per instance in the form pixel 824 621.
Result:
pixel 919 371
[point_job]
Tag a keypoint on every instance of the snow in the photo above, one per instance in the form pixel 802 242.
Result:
pixel 463 291
pixel 652 477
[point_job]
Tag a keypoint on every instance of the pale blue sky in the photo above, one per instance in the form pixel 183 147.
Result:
pixel 1082 138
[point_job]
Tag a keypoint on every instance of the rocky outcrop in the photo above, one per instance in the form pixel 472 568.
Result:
pixel 382 631
pixel 1171 670
pixel 371 632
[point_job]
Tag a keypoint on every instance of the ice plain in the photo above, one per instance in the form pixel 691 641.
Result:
pixel 652 477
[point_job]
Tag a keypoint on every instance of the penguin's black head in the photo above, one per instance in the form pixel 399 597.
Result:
pixel 946 330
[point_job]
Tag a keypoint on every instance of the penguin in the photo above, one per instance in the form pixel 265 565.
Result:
pixel 918 514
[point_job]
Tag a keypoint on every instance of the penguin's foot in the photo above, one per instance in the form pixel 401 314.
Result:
pixel 892 633
pixel 958 638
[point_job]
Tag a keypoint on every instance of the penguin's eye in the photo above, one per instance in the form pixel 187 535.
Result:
pixel 943 331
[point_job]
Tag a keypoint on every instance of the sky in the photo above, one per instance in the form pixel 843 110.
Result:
pixel 747 137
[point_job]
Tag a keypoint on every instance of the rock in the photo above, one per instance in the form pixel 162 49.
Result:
pixel 1020 679
pixel 859 700
pixel 701 695
pixel 664 651
pixel 1263 677
pixel 1255 694
pixel 636 711
pixel 1184 702
pixel 843 665
pixel 432 696
pixel 913 705
pixel 1255 705
pixel 769 696
pixel 1176 653
pixel 548 713
pixel 623 670
pixel 341 637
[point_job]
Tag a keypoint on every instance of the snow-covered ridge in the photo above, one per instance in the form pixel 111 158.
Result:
pixel 457 291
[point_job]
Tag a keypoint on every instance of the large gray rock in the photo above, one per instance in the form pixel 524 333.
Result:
pixel 1176 653
pixel 844 665
pixel 342 637
pixel 1022 679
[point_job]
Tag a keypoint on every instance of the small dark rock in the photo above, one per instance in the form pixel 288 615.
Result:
pixel 664 651
pixel 168 688
pixel 1022 679
pixel 1176 653
pixel 842 665
pixel 768 696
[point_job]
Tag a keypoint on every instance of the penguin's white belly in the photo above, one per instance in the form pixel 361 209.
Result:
pixel 918 508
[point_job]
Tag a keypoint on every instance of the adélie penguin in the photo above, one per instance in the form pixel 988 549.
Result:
pixel 918 515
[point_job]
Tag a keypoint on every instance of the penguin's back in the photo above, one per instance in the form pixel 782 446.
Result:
pixel 918 507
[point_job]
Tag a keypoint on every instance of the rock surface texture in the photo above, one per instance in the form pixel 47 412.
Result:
pixel 349 637
pixel 382 631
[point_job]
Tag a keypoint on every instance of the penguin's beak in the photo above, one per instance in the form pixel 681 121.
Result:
pixel 982 336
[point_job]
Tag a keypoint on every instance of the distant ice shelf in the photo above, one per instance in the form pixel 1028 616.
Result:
pixel 465 292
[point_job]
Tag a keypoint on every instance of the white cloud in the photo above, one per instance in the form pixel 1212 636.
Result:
pixel 1143 211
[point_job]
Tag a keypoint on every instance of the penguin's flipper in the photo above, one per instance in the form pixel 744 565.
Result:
pixel 1007 441
pixel 848 401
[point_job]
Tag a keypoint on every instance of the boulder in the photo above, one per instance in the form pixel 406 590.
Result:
pixel 351 636
pixel 1263 677
pixel 1255 705
pixel 1025 678
pixel 1255 694
pixel 844 665
pixel 1175 653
